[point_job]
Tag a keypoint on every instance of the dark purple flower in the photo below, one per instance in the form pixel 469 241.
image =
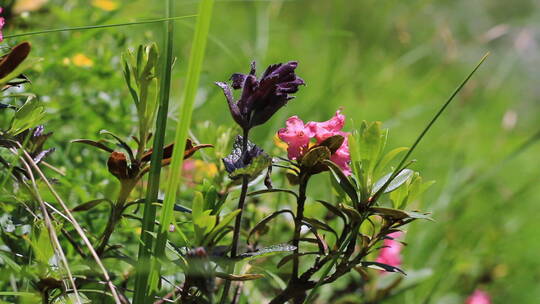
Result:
pixel 263 97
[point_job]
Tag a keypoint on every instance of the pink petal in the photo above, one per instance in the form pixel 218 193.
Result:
pixel 391 253
pixel 296 135
pixel 479 297
pixel 328 128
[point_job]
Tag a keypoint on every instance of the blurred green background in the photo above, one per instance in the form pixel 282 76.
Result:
pixel 393 61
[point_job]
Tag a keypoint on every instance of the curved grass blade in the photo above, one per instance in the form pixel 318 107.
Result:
pixel 428 127
pixel 93 27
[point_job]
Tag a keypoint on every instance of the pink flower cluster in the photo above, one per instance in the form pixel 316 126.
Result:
pixel 2 23
pixel 298 136
pixel 478 297
pixel 391 253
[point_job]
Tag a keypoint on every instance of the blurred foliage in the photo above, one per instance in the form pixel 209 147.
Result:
pixel 394 61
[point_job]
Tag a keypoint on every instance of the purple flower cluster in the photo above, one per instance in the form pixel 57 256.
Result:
pixel 261 98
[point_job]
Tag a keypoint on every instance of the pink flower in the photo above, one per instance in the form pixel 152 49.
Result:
pixel 2 23
pixel 391 253
pixel 342 157
pixel 328 128
pixel 478 297
pixel 298 136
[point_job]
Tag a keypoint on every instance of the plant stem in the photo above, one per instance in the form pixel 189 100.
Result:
pixel 238 220
pixel 115 215
pixel 149 213
pixel 298 224
pixel 241 200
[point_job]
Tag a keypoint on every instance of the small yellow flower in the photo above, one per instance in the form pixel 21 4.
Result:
pixel 106 5
pixel 279 143
pixel 82 60
pixel 208 169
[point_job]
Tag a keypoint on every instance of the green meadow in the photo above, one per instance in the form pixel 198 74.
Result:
pixel 396 62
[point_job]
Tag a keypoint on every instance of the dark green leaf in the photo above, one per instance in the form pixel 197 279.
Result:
pixel 91 204
pixel 398 214
pixel 353 215
pixel 239 277
pixel 344 181
pixel 97 144
pixel 289 258
pixel 319 225
pixel 315 156
pixel 333 143
pixel 333 209
pixel 121 143
pixel 262 224
pixel 273 191
pixel 381 266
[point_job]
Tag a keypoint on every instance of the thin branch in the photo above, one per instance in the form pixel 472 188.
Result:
pixel 75 225
pixel 50 228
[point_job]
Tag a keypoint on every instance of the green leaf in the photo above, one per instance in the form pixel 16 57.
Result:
pixel 267 251
pixel 262 224
pixel 239 277
pixel 344 181
pixel 255 193
pixel 354 151
pixel 254 169
pixel 388 157
pixel 127 77
pixel 7 261
pixel 203 222
pixel 180 208
pixel 399 180
pixel 222 224
pixel 42 246
pixel 98 144
pixel 290 257
pixel 333 209
pixel 19 294
pixel 370 144
pixel 319 225
pixel 91 204
pixel 120 141
pixel 354 216
pixel 381 266
pixel 28 116
pixel 333 143
pixel 400 197
pixel 398 214
pixel 315 156
pixel 210 198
